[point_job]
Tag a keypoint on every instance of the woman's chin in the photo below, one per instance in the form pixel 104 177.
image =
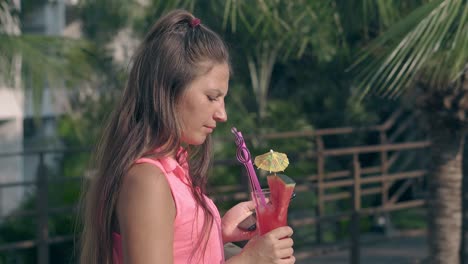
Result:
pixel 195 141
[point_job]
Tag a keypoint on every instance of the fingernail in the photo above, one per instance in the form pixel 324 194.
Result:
pixel 252 227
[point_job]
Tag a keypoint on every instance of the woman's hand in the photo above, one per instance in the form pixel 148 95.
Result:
pixel 273 247
pixel 232 218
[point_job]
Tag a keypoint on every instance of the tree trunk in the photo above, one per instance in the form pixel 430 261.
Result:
pixel 444 199
pixel 464 233
pixel 260 69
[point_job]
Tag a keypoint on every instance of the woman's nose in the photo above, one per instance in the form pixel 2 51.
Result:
pixel 220 114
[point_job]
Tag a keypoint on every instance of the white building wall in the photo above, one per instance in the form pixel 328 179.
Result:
pixel 54 15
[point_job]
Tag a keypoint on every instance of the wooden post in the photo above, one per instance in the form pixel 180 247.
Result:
pixel 42 214
pixel 385 184
pixel 320 208
pixel 384 168
pixel 355 217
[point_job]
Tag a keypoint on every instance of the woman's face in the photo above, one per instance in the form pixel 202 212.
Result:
pixel 202 105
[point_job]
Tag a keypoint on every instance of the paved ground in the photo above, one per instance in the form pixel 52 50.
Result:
pixel 399 250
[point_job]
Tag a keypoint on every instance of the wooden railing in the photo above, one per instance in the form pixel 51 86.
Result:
pixel 350 184
pixel 42 210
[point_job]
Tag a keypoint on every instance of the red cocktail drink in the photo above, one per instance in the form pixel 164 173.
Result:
pixel 275 213
pixel 268 219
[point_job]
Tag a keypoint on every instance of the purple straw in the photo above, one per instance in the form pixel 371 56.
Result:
pixel 243 156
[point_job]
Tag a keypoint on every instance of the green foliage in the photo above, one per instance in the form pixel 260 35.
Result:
pixel 42 61
pixel 29 6
pixel 268 32
pixel 293 27
pixel 392 62
pixel 409 219
pixel 45 60
pixel 370 18
pixel 104 18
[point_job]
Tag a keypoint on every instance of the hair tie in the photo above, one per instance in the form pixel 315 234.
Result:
pixel 195 22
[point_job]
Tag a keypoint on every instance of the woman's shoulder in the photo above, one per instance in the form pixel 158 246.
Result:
pixel 144 173
pixel 144 187
pixel 144 181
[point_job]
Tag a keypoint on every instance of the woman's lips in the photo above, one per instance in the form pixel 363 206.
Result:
pixel 210 128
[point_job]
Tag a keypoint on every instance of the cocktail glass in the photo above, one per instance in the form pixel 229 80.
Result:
pixel 267 214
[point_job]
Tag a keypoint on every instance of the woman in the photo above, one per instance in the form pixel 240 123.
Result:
pixel 147 203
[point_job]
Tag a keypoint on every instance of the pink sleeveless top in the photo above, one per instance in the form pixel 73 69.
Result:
pixel 187 223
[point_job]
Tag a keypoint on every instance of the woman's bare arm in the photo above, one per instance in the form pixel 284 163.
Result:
pixel 146 213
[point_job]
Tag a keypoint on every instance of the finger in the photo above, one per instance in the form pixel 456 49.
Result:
pixel 285 253
pixel 248 214
pixel 281 232
pixel 289 260
pixel 285 243
pixel 249 205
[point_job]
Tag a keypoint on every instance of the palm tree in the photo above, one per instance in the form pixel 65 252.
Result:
pixel 425 58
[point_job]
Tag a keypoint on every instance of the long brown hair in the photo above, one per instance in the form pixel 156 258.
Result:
pixel 145 119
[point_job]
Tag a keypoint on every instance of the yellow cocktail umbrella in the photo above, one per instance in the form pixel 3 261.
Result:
pixel 272 161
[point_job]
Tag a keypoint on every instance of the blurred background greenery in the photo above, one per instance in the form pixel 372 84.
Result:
pixel 298 66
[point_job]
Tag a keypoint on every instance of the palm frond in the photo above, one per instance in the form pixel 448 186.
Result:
pixel 46 61
pixel 298 25
pixel 392 62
